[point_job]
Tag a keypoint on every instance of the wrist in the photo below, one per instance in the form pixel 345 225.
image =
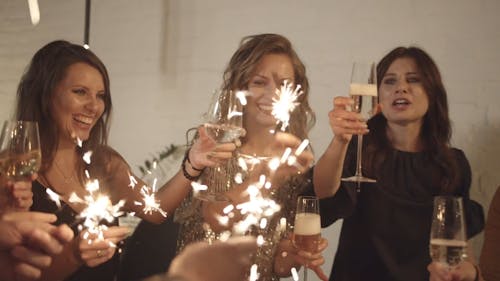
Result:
pixel 191 173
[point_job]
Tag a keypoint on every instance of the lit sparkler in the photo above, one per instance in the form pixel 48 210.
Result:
pixel 285 103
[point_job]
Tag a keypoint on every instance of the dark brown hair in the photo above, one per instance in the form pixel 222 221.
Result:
pixel 436 128
pixel 244 62
pixel 35 94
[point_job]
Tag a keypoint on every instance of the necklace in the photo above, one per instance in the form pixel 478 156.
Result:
pixel 65 178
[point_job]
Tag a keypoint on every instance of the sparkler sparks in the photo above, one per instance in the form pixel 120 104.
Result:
pixel 285 103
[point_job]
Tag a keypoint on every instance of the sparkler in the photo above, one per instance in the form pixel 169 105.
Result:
pixel 285 103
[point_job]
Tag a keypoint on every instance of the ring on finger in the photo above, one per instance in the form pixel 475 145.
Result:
pixel 99 253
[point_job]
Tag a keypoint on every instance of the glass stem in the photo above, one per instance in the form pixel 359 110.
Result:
pixel 359 156
pixel 305 273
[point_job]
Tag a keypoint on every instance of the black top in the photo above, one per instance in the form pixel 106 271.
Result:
pixel 386 229
pixel 42 203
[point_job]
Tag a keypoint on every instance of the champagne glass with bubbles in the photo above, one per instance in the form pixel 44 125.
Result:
pixel 20 155
pixel 307 227
pixel 224 124
pixel 363 90
pixel 448 241
pixel 224 118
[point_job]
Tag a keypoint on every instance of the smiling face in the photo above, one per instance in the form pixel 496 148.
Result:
pixel 78 102
pixel 402 94
pixel 271 72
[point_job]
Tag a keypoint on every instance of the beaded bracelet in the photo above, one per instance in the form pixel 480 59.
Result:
pixel 477 272
pixel 185 172
pixel 186 156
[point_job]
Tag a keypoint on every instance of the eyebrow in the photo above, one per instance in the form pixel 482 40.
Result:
pixel 394 74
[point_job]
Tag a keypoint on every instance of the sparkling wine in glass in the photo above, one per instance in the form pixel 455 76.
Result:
pixel 363 90
pixel 307 227
pixel 224 118
pixel 20 155
pixel 448 241
pixel 223 123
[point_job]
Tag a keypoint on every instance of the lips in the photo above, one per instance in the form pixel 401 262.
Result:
pixel 85 120
pixel 401 103
pixel 265 108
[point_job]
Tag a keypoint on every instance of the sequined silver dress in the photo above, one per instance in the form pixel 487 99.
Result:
pixel 193 228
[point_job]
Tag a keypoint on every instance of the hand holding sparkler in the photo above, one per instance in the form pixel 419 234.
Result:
pixel 92 250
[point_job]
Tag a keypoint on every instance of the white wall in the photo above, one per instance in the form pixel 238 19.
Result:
pixel 165 57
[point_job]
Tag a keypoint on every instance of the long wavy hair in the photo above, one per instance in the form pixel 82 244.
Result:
pixel 436 128
pixel 35 95
pixel 243 65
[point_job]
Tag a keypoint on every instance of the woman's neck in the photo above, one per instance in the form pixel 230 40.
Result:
pixel 405 137
pixel 258 142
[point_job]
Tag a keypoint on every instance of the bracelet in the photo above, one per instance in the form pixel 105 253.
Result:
pixel 185 172
pixel 186 156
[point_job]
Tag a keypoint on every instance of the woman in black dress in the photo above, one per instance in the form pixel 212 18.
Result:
pixel 386 228
pixel 66 90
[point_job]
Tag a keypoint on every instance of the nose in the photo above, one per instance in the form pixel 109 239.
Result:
pixel 402 86
pixel 92 104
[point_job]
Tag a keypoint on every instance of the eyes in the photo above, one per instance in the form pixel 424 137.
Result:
pixel 262 82
pixel 83 91
pixel 392 80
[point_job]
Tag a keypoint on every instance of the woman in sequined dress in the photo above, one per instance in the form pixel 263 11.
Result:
pixel 260 66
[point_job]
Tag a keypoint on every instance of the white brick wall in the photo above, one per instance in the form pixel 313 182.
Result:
pixel 165 57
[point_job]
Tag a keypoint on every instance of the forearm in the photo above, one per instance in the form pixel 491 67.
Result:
pixel 283 264
pixel 328 169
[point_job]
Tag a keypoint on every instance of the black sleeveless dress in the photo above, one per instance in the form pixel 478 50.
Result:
pixel 65 215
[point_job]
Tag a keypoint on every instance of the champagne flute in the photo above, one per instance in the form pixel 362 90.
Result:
pixel 224 118
pixel 448 241
pixel 20 155
pixel 363 90
pixel 223 123
pixel 307 227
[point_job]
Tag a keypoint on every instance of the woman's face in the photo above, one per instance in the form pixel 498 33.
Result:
pixel 78 101
pixel 401 93
pixel 272 71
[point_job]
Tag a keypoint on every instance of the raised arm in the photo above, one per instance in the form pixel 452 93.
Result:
pixel 328 169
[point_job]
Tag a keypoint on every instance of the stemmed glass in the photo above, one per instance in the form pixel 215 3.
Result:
pixel 363 90
pixel 20 155
pixel 223 123
pixel 307 228
pixel 448 241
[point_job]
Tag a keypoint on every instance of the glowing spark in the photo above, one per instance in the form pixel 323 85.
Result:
pixel 285 103
pixel 263 223
pixel 242 97
pixel 285 155
pixel 228 209
pixel 198 186
pixel 79 142
pixel 238 178
pixel 295 274
pixel 274 164
pixel 254 275
pixel 303 145
pixel 260 240
pixel 86 157
pixel 150 203
pixel 133 181
pixel 92 185
pixel 54 197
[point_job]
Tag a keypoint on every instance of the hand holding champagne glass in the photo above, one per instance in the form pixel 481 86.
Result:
pixel 20 155
pixel 363 90
pixel 307 228
pixel 448 241
pixel 223 124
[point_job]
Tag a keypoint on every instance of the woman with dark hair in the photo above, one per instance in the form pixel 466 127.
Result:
pixel 66 90
pixel 260 65
pixel 386 228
